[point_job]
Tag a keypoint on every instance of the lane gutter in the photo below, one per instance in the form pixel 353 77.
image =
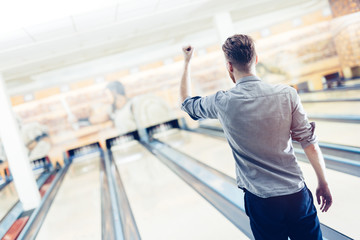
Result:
pixel 130 229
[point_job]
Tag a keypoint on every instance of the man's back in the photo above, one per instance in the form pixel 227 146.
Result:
pixel 259 121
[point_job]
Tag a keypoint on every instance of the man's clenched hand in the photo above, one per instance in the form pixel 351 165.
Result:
pixel 188 52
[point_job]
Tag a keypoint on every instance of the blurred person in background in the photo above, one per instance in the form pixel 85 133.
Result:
pixel 36 139
pixel 150 110
pixel 119 111
pixel 260 120
pixel 3 157
pixel 130 113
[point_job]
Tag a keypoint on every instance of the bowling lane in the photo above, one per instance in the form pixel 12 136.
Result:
pixel 214 152
pixel 333 108
pixel 164 206
pixel 76 210
pixel 324 95
pixel 343 215
pixel 8 198
pixel 338 133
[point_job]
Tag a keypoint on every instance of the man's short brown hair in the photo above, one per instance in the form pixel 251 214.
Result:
pixel 240 51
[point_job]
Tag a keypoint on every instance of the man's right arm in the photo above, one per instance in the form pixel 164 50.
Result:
pixel 197 107
pixel 185 84
pixel 323 194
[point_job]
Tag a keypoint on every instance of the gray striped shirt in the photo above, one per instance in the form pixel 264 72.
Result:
pixel 260 120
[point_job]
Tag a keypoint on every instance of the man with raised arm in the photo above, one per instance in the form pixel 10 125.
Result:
pixel 260 120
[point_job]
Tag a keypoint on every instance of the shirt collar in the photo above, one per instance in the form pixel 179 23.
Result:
pixel 248 79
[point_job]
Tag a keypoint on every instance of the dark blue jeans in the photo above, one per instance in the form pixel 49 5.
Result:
pixel 281 217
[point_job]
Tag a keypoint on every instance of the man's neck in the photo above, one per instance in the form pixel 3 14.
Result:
pixel 239 75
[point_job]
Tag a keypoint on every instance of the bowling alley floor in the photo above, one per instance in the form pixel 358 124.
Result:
pixel 164 206
pixel 76 210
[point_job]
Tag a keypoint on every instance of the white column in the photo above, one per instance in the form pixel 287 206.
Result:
pixel 224 25
pixel 20 169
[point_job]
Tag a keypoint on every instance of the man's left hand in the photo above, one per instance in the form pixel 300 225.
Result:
pixel 324 197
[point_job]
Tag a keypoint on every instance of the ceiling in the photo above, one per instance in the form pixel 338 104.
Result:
pixel 51 39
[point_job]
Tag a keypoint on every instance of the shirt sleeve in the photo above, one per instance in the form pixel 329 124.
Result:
pixel 301 130
pixel 201 107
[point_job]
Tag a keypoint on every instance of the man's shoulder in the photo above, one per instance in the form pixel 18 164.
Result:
pixel 222 97
pixel 217 96
pixel 280 88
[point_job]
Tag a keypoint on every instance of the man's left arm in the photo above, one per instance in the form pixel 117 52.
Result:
pixel 303 132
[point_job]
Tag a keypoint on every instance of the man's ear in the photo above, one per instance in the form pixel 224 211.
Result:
pixel 256 59
pixel 229 66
